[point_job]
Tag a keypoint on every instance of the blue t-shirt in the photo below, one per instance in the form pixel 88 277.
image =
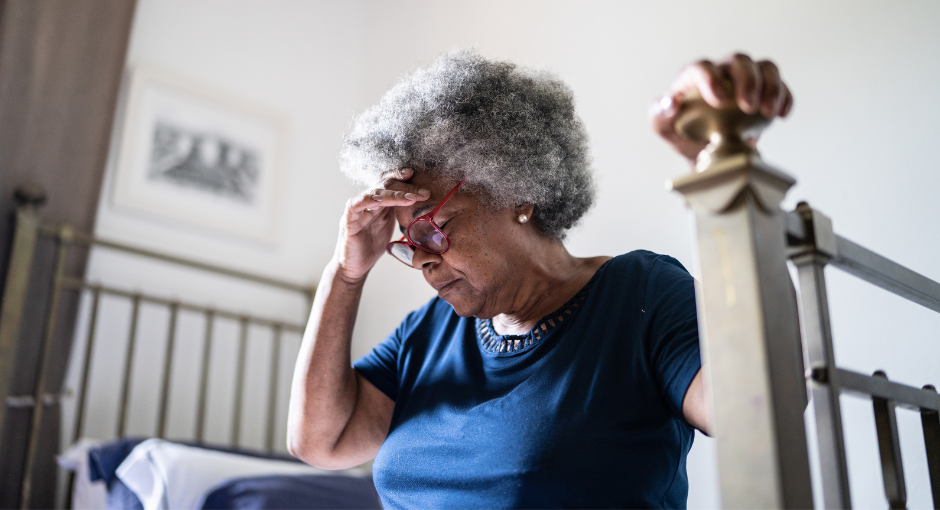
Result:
pixel 584 413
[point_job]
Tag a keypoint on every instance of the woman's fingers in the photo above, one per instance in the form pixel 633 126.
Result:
pixel 395 180
pixel 787 102
pixel 708 79
pixel 662 117
pixel 746 80
pixel 380 198
pixel 757 86
pixel 772 95
pixel 391 192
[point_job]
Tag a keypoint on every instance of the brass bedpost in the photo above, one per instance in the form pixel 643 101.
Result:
pixel 64 236
pixel 748 315
pixel 26 230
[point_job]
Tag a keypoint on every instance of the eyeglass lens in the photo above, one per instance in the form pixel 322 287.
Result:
pixel 402 252
pixel 426 236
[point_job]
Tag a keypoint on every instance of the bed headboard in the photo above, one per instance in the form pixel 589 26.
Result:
pixel 30 230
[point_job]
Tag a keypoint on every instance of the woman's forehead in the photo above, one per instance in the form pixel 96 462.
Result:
pixel 439 189
pixel 428 180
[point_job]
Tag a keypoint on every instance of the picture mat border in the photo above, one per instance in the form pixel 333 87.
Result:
pixel 126 193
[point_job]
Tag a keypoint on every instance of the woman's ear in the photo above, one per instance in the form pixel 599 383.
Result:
pixel 524 213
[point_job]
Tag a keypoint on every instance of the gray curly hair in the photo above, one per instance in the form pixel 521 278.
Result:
pixel 512 133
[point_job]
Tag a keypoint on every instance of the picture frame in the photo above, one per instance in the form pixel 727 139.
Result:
pixel 198 156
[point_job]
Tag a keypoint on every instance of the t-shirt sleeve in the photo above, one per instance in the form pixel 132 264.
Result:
pixel 672 329
pixel 382 365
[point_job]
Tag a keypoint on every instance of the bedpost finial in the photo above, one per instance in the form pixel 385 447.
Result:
pixel 726 130
pixel 29 195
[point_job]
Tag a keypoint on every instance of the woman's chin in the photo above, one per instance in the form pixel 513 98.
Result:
pixel 460 305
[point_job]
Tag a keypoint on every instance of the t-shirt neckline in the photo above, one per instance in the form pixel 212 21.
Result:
pixel 494 344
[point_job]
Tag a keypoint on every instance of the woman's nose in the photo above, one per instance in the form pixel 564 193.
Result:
pixel 422 259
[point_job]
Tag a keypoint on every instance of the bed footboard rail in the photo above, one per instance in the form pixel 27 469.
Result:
pixel 752 342
pixel 28 230
pixel 813 246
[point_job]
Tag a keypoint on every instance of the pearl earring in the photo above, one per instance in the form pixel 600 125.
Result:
pixel 523 218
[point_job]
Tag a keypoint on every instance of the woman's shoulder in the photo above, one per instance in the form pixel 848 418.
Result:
pixel 643 261
pixel 639 269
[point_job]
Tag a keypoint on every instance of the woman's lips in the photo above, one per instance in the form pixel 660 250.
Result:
pixel 444 287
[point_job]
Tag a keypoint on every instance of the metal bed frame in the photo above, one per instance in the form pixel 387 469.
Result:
pixel 28 229
pixel 749 318
pixel 749 325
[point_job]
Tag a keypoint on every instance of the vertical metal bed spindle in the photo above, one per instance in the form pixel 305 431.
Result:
pixel 86 364
pixel 930 420
pixel 240 381
pixel 272 387
pixel 204 376
pixel 128 366
pixel 167 372
pixel 889 449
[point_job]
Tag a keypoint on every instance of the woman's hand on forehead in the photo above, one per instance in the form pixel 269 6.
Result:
pixel 393 185
pixel 369 221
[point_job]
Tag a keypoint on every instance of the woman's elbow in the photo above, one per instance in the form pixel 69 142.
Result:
pixel 315 453
pixel 295 445
pixel 307 452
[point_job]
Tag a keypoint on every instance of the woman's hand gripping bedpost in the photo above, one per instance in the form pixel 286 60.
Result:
pixel 754 87
pixel 337 419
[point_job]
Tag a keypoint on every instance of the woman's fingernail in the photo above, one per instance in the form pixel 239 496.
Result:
pixel 406 171
pixel 410 196
pixel 667 106
pixel 424 192
pixel 376 198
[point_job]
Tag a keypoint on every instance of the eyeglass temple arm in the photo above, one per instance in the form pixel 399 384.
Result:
pixel 446 198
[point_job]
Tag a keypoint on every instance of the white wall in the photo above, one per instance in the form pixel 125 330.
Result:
pixel 300 59
pixel 861 143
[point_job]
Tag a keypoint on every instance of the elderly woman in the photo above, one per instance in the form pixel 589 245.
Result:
pixel 534 378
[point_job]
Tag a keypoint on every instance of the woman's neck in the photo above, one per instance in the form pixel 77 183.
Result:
pixel 551 279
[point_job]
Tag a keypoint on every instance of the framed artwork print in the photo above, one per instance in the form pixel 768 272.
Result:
pixel 198 156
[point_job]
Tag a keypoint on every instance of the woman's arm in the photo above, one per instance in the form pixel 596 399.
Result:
pixel 338 419
pixel 693 405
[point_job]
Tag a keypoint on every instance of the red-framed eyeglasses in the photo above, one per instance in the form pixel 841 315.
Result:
pixel 422 233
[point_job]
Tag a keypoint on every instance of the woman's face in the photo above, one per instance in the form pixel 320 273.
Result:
pixel 477 273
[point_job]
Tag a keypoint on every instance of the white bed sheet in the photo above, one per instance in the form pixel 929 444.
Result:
pixel 167 475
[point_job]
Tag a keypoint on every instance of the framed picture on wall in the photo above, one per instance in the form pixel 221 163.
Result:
pixel 198 156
